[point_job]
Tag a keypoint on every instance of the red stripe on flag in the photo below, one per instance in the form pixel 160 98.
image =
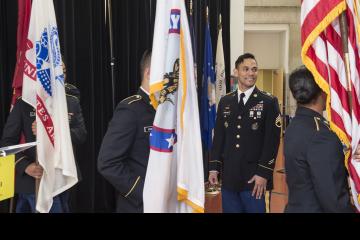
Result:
pixel 339 89
pixel 354 176
pixel 316 16
pixel 320 65
pixel 45 118
pixel 338 121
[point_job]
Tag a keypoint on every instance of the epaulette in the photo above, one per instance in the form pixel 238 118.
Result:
pixel 131 99
pixel 318 121
pixel 267 94
pixel 69 86
pixel 72 96
pixel 230 93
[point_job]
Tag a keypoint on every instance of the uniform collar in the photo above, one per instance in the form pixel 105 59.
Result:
pixel 145 96
pixel 304 111
pixel 247 94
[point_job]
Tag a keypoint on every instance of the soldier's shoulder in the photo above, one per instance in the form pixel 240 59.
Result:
pixel 20 100
pixel 131 100
pixel 229 95
pixel 321 125
pixel 266 96
pixel 72 91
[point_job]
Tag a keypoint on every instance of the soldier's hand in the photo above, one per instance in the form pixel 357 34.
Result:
pixel 213 179
pixel 357 154
pixel 34 170
pixel 33 127
pixel 260 186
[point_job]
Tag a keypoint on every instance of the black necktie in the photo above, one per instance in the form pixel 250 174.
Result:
pixel 241 102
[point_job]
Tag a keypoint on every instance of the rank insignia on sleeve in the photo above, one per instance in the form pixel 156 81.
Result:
pixel 278 121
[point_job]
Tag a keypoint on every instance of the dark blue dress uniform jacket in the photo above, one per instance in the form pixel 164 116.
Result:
pixel 20 120
pixel 125 150
pixel 314 163
pixel 246 140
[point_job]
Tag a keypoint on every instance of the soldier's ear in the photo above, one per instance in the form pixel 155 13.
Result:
pixel 236 72
pixel 147 72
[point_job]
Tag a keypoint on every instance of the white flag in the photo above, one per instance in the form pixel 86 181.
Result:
pixel 220 89
pixel 43 88
pixel 174 179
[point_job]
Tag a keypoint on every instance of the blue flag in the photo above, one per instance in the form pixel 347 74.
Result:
pixel 208 99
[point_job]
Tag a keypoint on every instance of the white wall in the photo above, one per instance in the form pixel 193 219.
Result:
pixel 237 13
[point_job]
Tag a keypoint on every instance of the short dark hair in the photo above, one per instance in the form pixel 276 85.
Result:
pixel 145 61
pixel 242 58
pixel 303 86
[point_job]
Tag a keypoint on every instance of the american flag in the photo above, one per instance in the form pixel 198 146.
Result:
pixel 323 55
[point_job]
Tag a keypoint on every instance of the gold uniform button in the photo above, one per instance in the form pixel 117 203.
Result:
pixel 238 136
pixel 238 126
pixel 237 145
pixel 239 117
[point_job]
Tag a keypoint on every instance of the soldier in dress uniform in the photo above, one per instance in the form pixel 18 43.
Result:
pixel 246 141
pixel 314 157
pixel 21 120
pixel 125 149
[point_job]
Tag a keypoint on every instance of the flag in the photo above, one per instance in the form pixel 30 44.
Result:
pixel 208 99
pixel 24 10
pixel 43 88
pixel 323 55
pixel 220 90
pixel 174 179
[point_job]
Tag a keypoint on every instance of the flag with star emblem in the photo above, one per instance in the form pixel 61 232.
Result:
pixel 174 178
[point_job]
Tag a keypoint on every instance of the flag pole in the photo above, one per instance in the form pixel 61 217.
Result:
pixel 112 56
pixel 191 7
pixel 37 183
pixel 344 40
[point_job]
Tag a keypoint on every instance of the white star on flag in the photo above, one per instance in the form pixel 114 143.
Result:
pixel 171 141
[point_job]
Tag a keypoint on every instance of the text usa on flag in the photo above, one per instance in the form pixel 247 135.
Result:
pixel 323 55
pixel 43 88
pixel 174 179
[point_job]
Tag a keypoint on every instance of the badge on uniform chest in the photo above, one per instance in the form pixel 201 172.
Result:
pixel 256 111
pixel 226 112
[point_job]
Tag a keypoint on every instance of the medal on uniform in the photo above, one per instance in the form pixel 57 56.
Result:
pixel 255 126
pixel 226 113
pixel 226 124
pixel 258 114
pixel 251 114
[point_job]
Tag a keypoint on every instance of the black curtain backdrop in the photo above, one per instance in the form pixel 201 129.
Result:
pixel 84 36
